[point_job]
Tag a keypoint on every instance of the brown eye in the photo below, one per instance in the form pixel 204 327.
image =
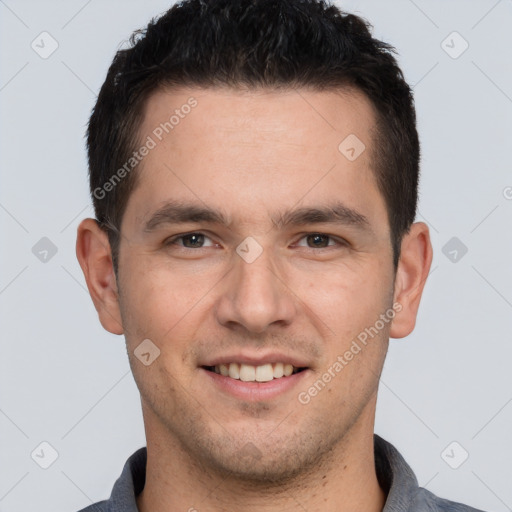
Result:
pixel 193 240
pixel 318 240
pixel 190 241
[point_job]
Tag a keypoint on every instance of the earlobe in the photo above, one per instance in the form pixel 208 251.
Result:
pixel 411 275
pixel 94 255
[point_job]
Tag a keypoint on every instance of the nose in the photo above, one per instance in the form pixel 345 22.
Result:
pixel 255 296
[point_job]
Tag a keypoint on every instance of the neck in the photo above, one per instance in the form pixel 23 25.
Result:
pixel 346 481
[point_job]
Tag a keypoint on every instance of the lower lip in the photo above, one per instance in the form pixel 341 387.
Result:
pixel 256 391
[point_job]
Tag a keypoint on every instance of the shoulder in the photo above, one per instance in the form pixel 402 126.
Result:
pixel 426 501
pixel 100 506
pixel 397 478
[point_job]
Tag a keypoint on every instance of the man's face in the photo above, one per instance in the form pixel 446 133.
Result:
pixel 298 291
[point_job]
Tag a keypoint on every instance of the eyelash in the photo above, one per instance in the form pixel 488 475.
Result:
pixel 173 241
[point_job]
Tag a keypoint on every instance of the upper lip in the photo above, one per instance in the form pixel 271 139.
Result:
pixel 255 359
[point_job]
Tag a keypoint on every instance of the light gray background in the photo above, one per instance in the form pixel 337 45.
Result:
pixel 66 381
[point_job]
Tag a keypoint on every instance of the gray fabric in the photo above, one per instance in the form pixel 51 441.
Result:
pixel 394 475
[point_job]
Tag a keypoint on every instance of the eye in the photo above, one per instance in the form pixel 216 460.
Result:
pixel 320 241
pixel 190 241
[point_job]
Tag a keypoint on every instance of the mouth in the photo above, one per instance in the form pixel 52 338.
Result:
pixel 250 373
pixel 255 377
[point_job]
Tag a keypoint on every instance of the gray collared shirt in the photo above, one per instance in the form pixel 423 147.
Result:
pixel 394 474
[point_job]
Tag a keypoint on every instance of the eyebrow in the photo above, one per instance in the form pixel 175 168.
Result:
pixel 336 213
pixel 175 212
pixel 178 212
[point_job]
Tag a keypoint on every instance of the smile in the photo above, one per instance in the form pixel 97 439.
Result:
pixel 250 373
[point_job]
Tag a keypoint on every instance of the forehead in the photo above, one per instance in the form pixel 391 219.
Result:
pixel 257 112
pixel 239 147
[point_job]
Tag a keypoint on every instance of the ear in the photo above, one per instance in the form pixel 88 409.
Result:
pixel 94 255
pixel 411 275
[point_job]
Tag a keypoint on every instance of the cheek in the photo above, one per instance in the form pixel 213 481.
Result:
pixel 152 302
pixel 161 309
pixel 346 300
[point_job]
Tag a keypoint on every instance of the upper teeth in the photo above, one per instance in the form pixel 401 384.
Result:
pixel 250 373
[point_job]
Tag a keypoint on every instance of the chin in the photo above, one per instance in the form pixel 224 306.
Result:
pixel 265 464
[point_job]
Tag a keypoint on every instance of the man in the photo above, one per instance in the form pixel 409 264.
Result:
pixel 254 172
